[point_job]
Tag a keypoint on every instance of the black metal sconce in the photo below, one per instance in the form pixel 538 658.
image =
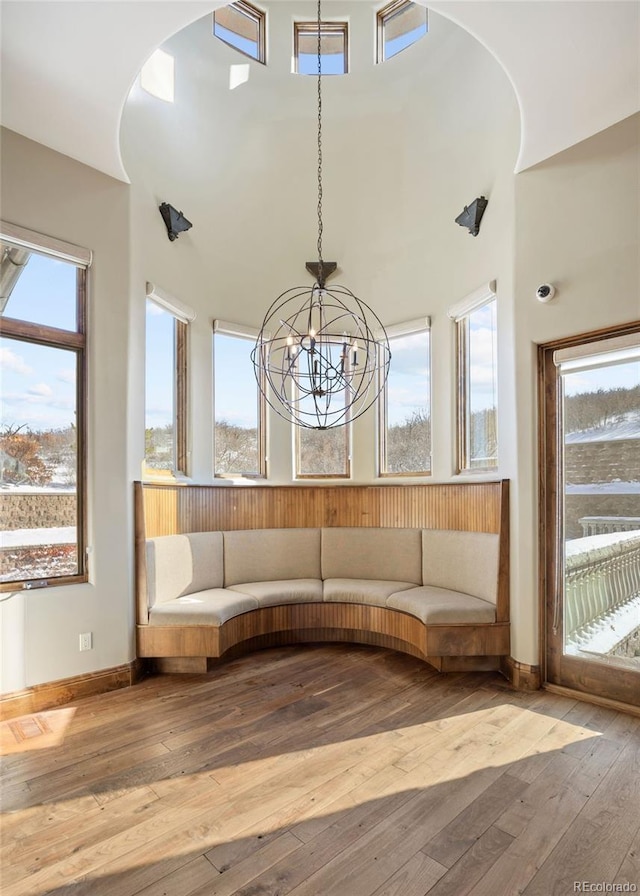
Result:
pixel 174 220
pixel 472 215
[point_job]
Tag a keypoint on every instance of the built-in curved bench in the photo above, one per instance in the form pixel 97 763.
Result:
pixel 440 594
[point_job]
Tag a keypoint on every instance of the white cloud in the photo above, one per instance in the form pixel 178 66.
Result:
pixel 40 390
pixel 67 376
pixel 482 356
pixel 16 363
pixel 22 400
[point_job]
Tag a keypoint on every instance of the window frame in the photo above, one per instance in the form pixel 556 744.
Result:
pixel 408 328
pixel 250 334
pixel 182 317
pixel 256 15
pixel 67 340
pixel 460 314
pixel 311 27
pixel 383 15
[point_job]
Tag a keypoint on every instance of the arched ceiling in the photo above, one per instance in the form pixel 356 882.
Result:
pixel 67 67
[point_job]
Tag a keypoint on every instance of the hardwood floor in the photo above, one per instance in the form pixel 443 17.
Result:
pixel 334 770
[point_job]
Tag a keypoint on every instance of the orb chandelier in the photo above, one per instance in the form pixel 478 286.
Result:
pixel 322 356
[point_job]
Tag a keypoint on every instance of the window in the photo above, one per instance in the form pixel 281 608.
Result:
pixel 166 384
pixel 242 26
pixel 239 435
pixel 477 380
pixel 43 286
pixel 333 48
pixel 157 76
pixel 322 453
pixel 399 25
pixel 405 403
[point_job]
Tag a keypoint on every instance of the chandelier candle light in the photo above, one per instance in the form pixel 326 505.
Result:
pixel 322 356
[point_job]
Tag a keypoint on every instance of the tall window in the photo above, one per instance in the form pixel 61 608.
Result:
pixel 166 384
pixel 405 403
pixel 239 435
pixel 399 24
pixel 334 57
pixel 323 453
pixel 477 381
pixel 43 285
pixel 242 26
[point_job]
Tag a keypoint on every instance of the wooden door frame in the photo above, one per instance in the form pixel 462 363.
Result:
pixel 588 677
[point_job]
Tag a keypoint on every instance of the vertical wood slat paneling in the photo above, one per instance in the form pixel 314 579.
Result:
pixel 473 506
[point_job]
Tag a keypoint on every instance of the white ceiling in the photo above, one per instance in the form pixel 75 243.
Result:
pixel 67 67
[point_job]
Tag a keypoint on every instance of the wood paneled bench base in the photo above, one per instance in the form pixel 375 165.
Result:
pixel 179 509
pixel 447 647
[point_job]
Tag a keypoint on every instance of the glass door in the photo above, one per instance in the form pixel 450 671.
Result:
pixel 590 486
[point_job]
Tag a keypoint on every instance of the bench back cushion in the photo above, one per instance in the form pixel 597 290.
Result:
pixel 461 561
pixel 393 555
pixel 183 564
pixel 270 555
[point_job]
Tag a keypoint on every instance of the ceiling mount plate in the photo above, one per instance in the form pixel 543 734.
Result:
pixel 328 268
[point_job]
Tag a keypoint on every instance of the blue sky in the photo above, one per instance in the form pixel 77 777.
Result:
pixel 399 43
pixel 236 393
pixel 483 358
pixel 250 47
pixel 615 376
pixel 159 366
pixel 409 377
pixel 38 382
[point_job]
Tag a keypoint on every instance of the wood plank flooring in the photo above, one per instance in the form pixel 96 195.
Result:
pixel 332 770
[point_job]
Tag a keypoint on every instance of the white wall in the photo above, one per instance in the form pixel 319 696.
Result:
pixel 405 146
pixel 577 226
pixel 54 195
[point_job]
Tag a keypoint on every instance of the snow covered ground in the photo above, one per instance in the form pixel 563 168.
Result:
pixel 603 488
pixel 626 427
pixel 17 538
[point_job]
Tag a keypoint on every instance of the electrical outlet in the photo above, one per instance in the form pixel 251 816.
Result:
pixel 86 641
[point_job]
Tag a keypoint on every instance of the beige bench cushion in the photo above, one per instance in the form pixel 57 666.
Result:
pixel 285 591
pixel 362 591
pixel 361 553
pixel 461 561
pixel 439 606
pixel 183 564
pixel 269 555
pixel 211 607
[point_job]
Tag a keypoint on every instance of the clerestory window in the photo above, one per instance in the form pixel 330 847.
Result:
pixel 334 45
pixel 243 27
pixel 399 25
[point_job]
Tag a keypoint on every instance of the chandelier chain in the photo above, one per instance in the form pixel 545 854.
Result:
pixel 322 356
pixel 320 226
